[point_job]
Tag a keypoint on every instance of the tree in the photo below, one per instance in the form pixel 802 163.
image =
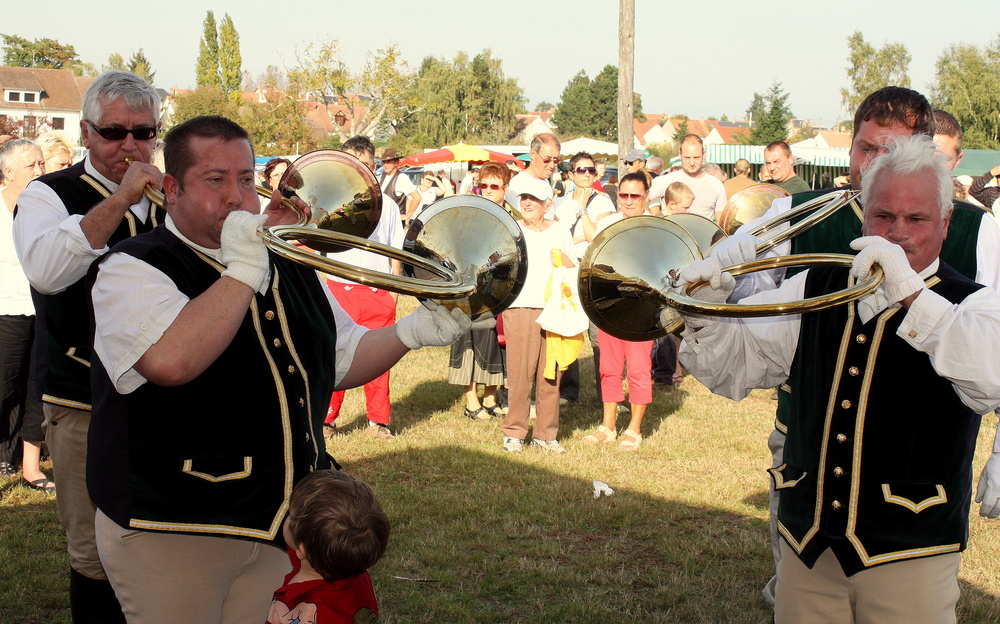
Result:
pixel 45 53
pixel 543 106
pixel 377 98
pixel 590 107
pixel 115 62
pixel 770 115
pixel 804 133
pixel 207 70
pixel 139 66
pixel 681 132
pixel 492 100
pixel 869 69
pixel 968 87
pixel 724 117
pixel 230 61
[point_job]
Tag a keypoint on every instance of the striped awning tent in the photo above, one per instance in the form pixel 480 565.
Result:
pixel 729 154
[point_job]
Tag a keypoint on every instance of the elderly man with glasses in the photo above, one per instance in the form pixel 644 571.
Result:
pixel 545 160
pixel 65 221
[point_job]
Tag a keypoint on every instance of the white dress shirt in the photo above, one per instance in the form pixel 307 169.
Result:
pixel 15 296
pixel 137 304
pixel 735 355
pixel 52 247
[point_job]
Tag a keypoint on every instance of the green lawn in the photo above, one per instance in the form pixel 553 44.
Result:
pixel 494 537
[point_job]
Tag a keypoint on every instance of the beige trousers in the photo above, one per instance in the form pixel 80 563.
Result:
pixel 66 435
pixel 167 578
pixel 915 591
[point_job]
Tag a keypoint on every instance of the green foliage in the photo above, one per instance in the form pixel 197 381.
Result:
pixel 869 70
pixel 471 101
pixel 590 107
pixel 724 117
pixel 803 134
pixel 230 61
pixel 207 69
pixel 666 151
pixel 770 115
pixel 543 106
pixel 115 62
pixel 376 98
pixel 139 66
pixel 681 132
pixel 968 87
pixel 46 53
pixel 275 127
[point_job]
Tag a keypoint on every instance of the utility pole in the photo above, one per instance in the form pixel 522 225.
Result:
pixel 626 60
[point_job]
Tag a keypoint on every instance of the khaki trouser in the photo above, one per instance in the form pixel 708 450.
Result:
pixel 66 435
pixel 170 578
pixel 914 591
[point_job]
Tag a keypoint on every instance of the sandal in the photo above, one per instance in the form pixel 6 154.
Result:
pixel 630 440
pixel 607 436
pixel 478 414
pixel 494 411
pixel 42 485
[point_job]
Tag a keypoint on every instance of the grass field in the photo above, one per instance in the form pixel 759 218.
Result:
pixel 484 536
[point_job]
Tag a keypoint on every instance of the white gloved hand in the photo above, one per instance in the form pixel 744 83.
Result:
pixel 988 490
pixel 432 325
pixel 900 281
pixel 243 252
pixel 720 286
pixel 735 249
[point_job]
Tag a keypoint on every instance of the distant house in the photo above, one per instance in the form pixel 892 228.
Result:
pixel 43 100
pixel 650 131
pixel 529 125
pixel 726 135
pixel 828 140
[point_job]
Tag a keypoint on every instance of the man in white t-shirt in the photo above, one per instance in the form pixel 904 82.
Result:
pixel 545 159
pixel 709 194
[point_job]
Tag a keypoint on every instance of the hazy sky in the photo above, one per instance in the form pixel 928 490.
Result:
pixel 700 59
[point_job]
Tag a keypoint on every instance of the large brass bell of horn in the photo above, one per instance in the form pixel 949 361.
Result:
pixel 480 242
pixel 748 204
pixel 628 275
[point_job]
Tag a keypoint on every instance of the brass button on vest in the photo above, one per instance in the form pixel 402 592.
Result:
pixel 861 338
pixel 277 342
pixel 838 471
pixel 845 404
pixel 853 371
pixel 836 505
pixel 841 438
pixel 291 369
pixel 302 402
pixel 269 315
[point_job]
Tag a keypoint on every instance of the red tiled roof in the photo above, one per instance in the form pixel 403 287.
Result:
pixel 836 139
pixel 60 88
pixel 730 135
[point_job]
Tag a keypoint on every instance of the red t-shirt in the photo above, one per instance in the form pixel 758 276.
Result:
pixel 347 601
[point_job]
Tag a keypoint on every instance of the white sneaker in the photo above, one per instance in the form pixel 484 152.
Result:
pixel 551 446
pixel 513 445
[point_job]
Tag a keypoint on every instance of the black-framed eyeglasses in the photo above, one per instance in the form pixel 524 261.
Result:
pixel 144 133
pixel 490 187
pixel 586 170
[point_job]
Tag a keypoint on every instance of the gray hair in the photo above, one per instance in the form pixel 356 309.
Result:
pixel 545 138
pixel 111 85
pixel 12 149
pixel 910 155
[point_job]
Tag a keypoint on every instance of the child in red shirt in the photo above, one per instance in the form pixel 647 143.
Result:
pixel 335 531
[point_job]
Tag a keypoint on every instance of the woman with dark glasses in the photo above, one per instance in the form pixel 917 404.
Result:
pixel 477 357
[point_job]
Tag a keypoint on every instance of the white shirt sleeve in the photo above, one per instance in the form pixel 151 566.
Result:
pixel 138 303
pixel 988 253
pixel 53 249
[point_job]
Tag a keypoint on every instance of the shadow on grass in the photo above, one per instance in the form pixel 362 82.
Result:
pixel 508 540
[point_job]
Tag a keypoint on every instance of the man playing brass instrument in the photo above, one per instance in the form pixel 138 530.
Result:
pixel 215 362
pixel 876 479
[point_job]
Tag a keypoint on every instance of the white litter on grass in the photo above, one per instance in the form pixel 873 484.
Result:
pixel 600 487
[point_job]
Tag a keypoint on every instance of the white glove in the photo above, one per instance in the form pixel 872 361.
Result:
pixel 720 285
pixel 988 490
pixel 735 249
pixel 432 325
pixel 900 281
pixel 243 252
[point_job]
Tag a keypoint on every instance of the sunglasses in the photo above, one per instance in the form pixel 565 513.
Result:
pixel 634 197
pixel 119 134
pixel 490 187
pixel 548 159
pixel 586 170
pixel 629 163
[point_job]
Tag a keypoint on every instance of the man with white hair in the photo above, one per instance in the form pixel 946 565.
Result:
pixel 876 481
pixel 544 151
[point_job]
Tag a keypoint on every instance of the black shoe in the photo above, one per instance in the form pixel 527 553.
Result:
pixel 480 413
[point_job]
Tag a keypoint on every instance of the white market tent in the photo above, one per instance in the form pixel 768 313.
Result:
pixel 598 149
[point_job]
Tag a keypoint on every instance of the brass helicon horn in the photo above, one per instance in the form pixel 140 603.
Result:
pixel 464 251
pixel 629 273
